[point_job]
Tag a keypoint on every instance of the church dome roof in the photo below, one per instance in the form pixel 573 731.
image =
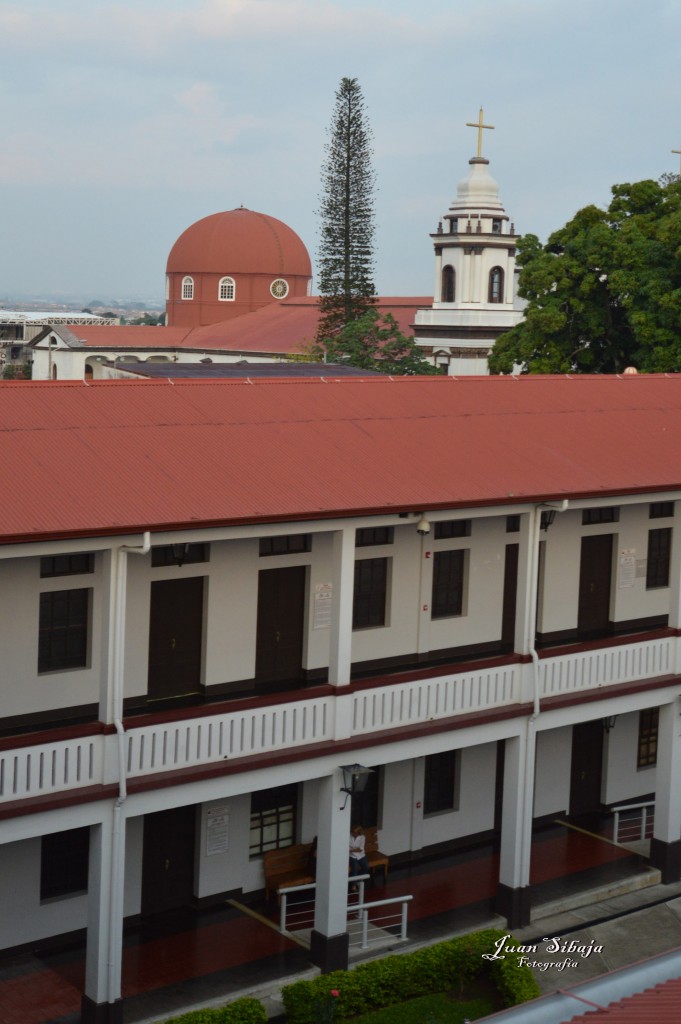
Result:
pixel 239 241
pixel 478 190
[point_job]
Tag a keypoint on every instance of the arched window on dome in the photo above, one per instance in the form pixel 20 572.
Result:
pixel 187 287
pixel 226 289
pixel 448 284
pixel 496 285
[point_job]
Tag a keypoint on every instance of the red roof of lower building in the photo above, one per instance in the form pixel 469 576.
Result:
pixel 658 1005
pixel 278 328
pixel 123 456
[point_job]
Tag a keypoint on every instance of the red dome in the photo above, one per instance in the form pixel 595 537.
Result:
pixel 239 242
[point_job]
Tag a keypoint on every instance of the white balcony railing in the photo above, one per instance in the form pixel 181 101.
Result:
pixel 606 666
pixel 167 746
pixel 28 771
pixel 51 767
pixel 425 700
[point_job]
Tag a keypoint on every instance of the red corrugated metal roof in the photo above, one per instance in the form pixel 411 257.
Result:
pixel 278 327
pixel 130 455
pixel 659 1005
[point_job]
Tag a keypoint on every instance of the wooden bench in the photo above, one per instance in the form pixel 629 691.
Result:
pixel 287 867
pixel 374 856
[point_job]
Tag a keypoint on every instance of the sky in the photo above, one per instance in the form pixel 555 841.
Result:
pixel 124 122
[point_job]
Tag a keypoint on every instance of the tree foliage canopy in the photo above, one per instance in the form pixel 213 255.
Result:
pixel 375 342
pixel 604 292
pixel 346 259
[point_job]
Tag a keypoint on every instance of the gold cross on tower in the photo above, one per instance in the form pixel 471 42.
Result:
pixel 479 125
pixel 678 151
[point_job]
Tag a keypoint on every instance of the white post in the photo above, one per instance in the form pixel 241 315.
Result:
pixel 343 576
pixel 102 1002
pixel 329 940
pixel 365 929
pixel 403 929
pixel 525 623
pixel 665 846
pixel 675 586
pixel 513 897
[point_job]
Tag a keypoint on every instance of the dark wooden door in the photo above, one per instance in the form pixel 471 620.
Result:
pixel 510 596
pixel 168 860
pixel 281 623
pixel 175 637
pixel 586 767
pixel 595 576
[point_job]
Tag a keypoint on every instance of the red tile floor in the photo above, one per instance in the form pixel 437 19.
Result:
pixel 188 957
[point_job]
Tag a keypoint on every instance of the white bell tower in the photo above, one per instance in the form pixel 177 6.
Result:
pixel 475 281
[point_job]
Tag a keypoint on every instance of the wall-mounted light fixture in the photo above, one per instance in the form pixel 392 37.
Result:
pixel 547 518
pixel 609 722
pixel 355 778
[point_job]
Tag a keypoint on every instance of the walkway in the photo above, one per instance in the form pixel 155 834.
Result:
pixel 190 958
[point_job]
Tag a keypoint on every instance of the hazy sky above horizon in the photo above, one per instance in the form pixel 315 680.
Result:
pixel 124 122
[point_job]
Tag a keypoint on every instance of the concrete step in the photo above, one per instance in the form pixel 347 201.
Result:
pixel 597 894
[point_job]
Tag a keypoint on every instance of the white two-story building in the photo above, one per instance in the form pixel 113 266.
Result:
pixel 215 594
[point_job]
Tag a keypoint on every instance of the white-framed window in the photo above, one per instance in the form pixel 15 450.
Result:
pixel 167 286
pixel 226 289
pixel 187 287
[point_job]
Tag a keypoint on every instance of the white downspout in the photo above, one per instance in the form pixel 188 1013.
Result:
pixel 119 566
pixel 531 731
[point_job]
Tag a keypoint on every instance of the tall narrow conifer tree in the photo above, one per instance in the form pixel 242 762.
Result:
pixel 346 259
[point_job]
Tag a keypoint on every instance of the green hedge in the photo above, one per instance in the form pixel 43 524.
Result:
pixel 394 979
pixel 241 1011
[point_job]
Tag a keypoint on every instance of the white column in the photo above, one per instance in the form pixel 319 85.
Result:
pixel 525 622
pixel 513 898
pixel 675 584
pixel 113 636
pixel 476 263
pixel 343 577
pixel 329 942
pixel 425 592
pixel 466 272
pixel 102 1001
pixel 665 850
pixel 437 292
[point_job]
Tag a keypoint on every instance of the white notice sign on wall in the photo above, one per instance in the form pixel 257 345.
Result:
pixel 323 598
pixel 217 830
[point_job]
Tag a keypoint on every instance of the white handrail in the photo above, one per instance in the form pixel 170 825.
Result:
pixel 647 811
pixel 284 893
pixel 364 909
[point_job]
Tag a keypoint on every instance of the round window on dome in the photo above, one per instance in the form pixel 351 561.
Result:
pixel 279 288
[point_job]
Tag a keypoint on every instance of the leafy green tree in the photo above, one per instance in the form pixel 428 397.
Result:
pixel 345 255
pixel 604 292
pixel 374 342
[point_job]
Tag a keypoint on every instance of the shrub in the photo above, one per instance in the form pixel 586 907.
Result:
pixel 395 979
pixel 241 1011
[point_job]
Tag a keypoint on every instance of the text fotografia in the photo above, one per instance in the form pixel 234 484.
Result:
pixel 570 948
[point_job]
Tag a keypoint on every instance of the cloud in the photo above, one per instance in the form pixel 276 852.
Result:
pixel 157 28
pixel 201 100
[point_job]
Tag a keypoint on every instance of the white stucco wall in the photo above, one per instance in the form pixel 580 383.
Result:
pixel 552 771
pixel 25 919
pixel 622 780
pixel 24 690
pixel 629 599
